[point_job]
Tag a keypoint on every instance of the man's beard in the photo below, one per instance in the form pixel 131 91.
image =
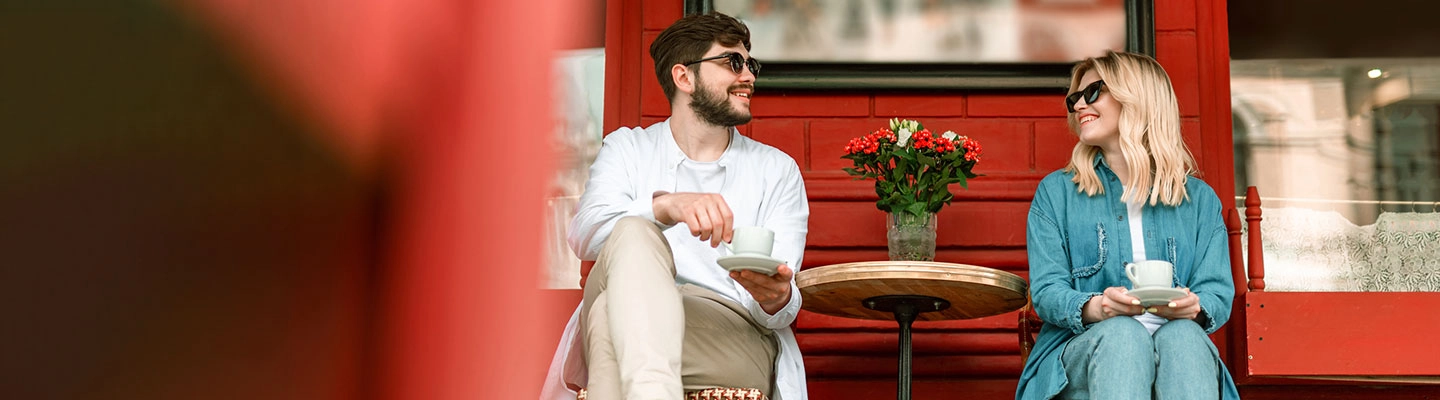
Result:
pixel 715 109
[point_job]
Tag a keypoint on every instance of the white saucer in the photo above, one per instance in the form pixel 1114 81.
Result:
pixel 1150 296
pixel 752 262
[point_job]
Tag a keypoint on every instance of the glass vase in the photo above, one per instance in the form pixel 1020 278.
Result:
pixel 911 237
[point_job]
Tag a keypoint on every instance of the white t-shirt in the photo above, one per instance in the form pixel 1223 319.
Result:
pixel 1152 322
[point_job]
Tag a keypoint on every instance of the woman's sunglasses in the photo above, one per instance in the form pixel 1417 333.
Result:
pixel 1090 93
pixel 737 62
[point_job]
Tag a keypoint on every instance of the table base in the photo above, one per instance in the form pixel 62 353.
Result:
pixel 905 308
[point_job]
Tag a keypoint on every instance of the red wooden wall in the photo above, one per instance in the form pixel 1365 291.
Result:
pixel 1025 137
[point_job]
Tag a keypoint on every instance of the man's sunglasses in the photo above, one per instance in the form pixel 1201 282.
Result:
pixel 737 62
pixel 1090 93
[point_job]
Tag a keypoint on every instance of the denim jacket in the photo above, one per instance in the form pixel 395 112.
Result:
pixel 1078 245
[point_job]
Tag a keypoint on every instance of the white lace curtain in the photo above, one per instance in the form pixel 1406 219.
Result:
pixel 1314 250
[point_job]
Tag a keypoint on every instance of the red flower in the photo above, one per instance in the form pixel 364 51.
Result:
pixel 972 149
pixel 913 176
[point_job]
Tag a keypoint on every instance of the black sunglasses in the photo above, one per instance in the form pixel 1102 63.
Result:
pixel 737 61
pixel 1090 93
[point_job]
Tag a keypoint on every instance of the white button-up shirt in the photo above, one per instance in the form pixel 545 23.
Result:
pixel 762 187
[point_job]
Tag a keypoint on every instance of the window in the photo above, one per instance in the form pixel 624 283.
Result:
pixel 578 109
pixel 1337 122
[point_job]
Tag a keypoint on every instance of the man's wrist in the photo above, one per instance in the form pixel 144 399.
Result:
pixel 656 208
pixel 776 306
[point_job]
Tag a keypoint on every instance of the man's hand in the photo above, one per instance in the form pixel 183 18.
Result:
pixel 706 214
pixel 1187 307
pixel 771 291
pixel 1114 302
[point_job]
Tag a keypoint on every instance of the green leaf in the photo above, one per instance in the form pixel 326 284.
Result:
pixel 925 160
pixel 916 209
pixel 905 154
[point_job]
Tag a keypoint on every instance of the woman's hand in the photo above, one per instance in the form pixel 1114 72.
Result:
pixel 1187 307
pixel 1114 302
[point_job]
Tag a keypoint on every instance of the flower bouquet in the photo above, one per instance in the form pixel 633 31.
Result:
pixel 913 169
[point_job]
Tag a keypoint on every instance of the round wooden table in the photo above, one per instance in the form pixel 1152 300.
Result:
pixel 909 290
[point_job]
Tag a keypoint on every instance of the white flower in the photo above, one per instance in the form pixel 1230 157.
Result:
pixel 904 137
pixel 949 135
pixel 897 124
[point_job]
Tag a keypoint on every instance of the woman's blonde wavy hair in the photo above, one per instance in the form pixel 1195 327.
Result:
pixel 1149 130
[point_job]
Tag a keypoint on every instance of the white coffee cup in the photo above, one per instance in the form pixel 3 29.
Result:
pixel 1151 273
pixel 751 240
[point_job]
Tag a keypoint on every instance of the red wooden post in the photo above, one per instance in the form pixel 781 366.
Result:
pixel 1237 256
pixel 1257 253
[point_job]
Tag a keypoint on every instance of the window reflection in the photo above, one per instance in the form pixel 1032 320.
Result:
pixel 1346 152
pixel 578 116
pixel 930 30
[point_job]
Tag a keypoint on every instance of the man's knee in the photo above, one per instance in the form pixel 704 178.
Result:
pixel 634 226
pixel 634 242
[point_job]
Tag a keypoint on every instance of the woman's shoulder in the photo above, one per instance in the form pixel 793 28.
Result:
pixel 1194 186
pixel 1200 193
pixel 1060 179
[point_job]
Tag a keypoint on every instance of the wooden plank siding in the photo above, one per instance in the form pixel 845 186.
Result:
pixel 1025 137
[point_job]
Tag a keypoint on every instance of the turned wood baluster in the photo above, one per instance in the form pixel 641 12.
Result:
pixel 1237 257
pixel 1257 253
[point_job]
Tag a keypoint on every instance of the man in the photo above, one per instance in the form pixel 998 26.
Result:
pixel 658 203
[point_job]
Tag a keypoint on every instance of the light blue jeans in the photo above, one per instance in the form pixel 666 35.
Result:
pixel 1118 359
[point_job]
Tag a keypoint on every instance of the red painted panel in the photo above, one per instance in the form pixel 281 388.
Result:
pixel 769 104
pixel 653 102
pixel 660 14
pixel 836 185
pixel 923 366
pixel 1320 391
pixel 647 121
pixel 1342 333
pixel 1006 143
pixel 1190 131
pixel 623 52
pixel 1053 145
pixel 786 134
pixel 1012 260
pixel 884 389
pixel 1217 139
pixel 1177 53
pixel 919 105
pixel 1015 105
pixel 931 343
pixel 811 322
pixel 1175 15
pixel 968 224
pixel 829 136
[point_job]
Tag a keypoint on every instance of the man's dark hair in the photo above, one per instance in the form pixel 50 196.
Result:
pixel 689 38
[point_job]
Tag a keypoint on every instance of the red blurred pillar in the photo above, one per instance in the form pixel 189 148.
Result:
pixel 461 290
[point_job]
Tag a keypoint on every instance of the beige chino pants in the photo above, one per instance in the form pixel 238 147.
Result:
pixel 646 338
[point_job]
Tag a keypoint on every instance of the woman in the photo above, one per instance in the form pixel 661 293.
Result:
pixel 1126 196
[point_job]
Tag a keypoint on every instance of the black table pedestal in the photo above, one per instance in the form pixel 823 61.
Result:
pixel 905 308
